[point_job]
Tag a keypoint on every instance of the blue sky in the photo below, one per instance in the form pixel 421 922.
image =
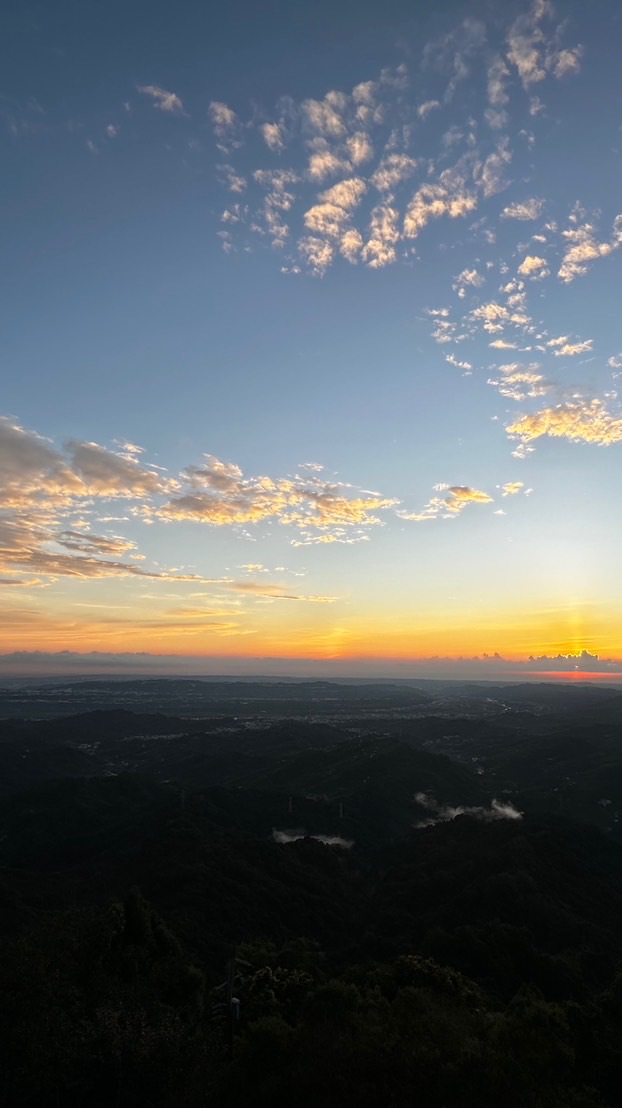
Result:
pixel 311 344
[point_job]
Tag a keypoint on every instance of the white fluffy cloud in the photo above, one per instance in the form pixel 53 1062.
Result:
pixel 533 266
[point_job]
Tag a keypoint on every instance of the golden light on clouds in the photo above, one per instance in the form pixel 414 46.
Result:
pixel 577 420
pixel 405 285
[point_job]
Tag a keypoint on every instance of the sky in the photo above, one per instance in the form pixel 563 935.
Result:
pixel 311 346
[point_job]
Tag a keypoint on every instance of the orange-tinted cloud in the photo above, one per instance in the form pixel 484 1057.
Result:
pixel 576 420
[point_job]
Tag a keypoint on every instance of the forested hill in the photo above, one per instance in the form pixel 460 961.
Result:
pixel 462 938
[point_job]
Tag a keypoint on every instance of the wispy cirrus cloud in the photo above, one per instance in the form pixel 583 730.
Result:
pixel 278 592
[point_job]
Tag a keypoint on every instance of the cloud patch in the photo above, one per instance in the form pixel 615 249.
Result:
pixel 580 421
pixel 163 100
pixel 449 506
pixel 445 813
pixel 583 248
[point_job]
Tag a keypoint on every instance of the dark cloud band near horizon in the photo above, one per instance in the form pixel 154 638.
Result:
pixel 484 667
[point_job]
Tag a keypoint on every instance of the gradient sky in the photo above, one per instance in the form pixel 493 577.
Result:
pixel 311 336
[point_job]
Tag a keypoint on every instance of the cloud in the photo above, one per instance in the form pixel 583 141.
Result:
pixel 374 134
pixel 444 331
pixel 87 543
pixel 379 250
pixel 339 535
pixel 30 544
pixel 491 174
pixel 449 196
pixel 498 74
pixel 525 210
pixel 213 474
pixel 525 43
pixel 445 813
pixel 365 93
pixel 324 163
pixel 469 278
pixel 359 148
pixel 31 470
pixel 449 506
pixel 351 245
pixel 274 135
pixel 317 253
pixel 570 349
pixel 533 266
pixel 459 495
pixel 566 63
pixel 393 169
pixel 477 668
pixel 346 194
pixel 279 198
pixel 325 117
pixel 233 181
pixel 428 106
pixel 50 503
pixel 584 248
pixel 223 118
pixel 533 53
pixel 326 220
pixel 584 662
pixel 275 592
pixel 112 475
pixel 219 495
pixel 512 488
pixel 23 582
pixel 492 314
pixel 519 382
pixel 164 101
pixel 577 420
pixel 453 360
pixel 455 53
pixel 68 565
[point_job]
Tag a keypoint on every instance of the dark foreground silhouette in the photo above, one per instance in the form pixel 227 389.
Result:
pixel 160 947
